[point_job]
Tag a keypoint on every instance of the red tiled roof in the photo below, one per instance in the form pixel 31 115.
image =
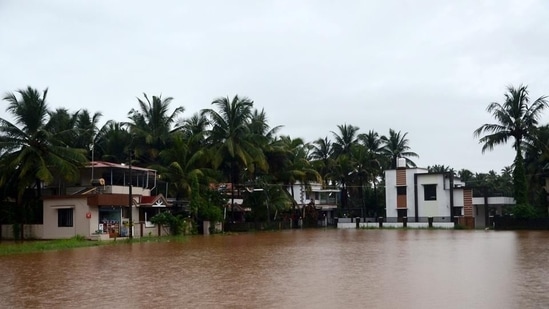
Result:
pixel 154 200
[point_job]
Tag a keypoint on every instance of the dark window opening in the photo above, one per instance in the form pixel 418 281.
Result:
pixel 65 217
pixel 401 190
pixel 430 192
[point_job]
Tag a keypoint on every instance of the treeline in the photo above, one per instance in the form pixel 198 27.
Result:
pixel 231 141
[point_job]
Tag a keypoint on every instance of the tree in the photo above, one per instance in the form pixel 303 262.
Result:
pixel 321 157
pixel 465 175
pixel 377 161
pixel 183 162
pixel 33 154
pixel 516 118
pixel 396 146
pixel 536 160
pixel 345 139
pixel 62 123
pixel 440 169
pixel 87 129
pixel 231 144
pixel 112 142
pixel 151 127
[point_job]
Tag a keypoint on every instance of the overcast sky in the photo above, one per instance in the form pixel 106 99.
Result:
pixel 429 68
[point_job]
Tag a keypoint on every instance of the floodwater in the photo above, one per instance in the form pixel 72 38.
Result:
pixel 291 269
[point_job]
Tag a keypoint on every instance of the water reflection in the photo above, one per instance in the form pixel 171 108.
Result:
pixel 291 269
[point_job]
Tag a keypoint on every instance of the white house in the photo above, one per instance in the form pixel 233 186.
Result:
pixel 324 200
pixel 417 195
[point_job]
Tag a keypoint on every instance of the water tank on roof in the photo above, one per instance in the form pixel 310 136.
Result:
pixel 401 162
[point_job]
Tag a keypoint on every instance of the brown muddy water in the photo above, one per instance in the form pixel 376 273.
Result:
pixel 291 269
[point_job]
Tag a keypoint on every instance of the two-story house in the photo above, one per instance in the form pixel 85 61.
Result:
pixel 100 205
pixel 420 196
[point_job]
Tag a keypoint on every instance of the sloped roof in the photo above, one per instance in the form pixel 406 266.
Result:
pixel 154 201
pixel 105 164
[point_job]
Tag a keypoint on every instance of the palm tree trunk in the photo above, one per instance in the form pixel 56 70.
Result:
pixel 519 180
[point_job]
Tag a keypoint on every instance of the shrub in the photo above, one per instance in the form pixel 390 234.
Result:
pixel 176 224
pixel 524 211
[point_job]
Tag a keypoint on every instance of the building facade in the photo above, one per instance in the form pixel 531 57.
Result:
pixel 415 195
pixel 105 203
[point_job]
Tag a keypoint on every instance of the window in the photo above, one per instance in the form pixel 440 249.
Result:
pixel 401 190
pixel 125 212
pixel 430 192
pixel 64 217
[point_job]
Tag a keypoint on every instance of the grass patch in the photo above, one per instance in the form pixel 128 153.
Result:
pixel 46 245
pixel 33 246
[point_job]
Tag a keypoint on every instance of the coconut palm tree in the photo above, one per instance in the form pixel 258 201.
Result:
pixel 33 154
pixel 87 128
pixel 62 123
pixel 231 143
pixel 340 174
pixel 181 163
pixel 344 139
pixel 395 146
pixel 376 162
pixel 516 118
pixel 265 138
pixel 298 168
pixel 194 127
pixel 112 142
pixel 465 175
pixel 151 126
pixel 440 169
pixel 536 160
pixel 321 157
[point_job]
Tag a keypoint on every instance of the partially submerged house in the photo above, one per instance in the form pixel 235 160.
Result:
pixel 416 195
pixel 100 205
pixel 324 200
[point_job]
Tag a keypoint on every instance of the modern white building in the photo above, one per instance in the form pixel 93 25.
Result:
pixel 420 196
pixel 417 195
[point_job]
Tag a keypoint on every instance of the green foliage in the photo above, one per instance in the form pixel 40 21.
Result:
pixel 79 238
pixel 207 207
pixel 177 224
pixel 517 117
pixel 520 185
pixel 210 212
pixel 524 210
pixel 16 228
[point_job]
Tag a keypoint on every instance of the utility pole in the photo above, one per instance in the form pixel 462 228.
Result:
pixel 130 199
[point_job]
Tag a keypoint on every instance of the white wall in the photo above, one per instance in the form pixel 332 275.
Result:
pixel 411 225
pixel 437 208
pixel 391 194
pixel 82 225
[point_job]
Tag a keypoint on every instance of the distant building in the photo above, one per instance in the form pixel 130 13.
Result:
pixel 417 195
